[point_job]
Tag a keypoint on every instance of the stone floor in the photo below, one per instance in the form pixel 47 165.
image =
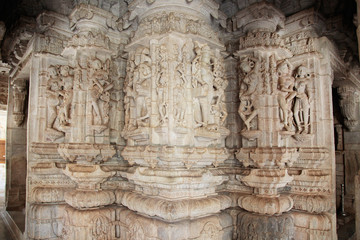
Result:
pixel 346 227
pixel 4 232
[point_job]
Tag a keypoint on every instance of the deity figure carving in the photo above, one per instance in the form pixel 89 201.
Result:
pixel 142 82
pixel 251 77
pixel 64 113
pixel 129 99
pixel 182 81
pixel 54 98
pixel 302 100
pixel 203 80
pixel 286 93
pixel 208 85
pixel 19 95
pixel 99 86
pixel 137 85
pixel 218 105
pixel 179 96
pixel 162 84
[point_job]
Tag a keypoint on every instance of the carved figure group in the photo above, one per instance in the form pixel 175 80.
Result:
pixel 292 93
pixel 191 73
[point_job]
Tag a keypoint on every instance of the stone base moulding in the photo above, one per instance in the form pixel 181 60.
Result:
pixel 135 226
pixel 175 210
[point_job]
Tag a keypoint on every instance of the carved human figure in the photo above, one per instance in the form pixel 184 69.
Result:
pixel 99 86
pixel 162 83
pixel 302 100
pixel 129 100
pixel 218 103
pixel 179 96
pixel 53 97
pixel 19 95
pixel 142 79
pixel 248 110
pixel 286 93
pixel 67 93
pixel 203 84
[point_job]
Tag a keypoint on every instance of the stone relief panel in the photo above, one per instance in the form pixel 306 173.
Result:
pixel 188 79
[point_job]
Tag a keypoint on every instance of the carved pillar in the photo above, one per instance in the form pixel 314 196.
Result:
pixel 76 113
pixel 84 117
pixel 266 92
pixel 349 104
pixel 174 120
pixel 283 107
pixel 313 185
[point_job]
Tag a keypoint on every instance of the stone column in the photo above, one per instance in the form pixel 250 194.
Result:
pixel 84 118
pixel 174 122
pixel 266 93
pixel 313 187
pixel 75 112
pixel 285 102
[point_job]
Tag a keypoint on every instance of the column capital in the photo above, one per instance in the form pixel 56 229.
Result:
pixel 260 17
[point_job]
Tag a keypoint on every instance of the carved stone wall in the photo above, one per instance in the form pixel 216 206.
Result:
pixel 170 120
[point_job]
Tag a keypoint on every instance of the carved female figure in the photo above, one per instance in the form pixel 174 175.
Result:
pixel 250 68
pixel 53 96
pixel 67 93
pixel 142 77
pixel 162 84
pixel 302 100
pixel 129 100
pixel 99 86
pixel 286 92
pixel 203 84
